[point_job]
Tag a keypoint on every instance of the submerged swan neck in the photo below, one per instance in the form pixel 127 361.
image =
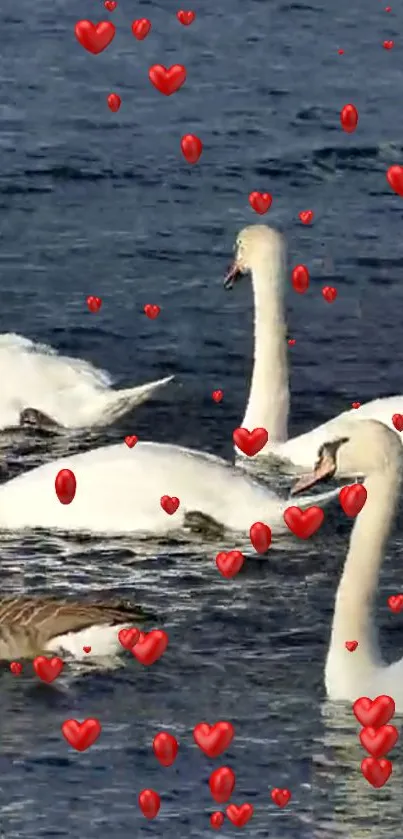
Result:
pixel 268 403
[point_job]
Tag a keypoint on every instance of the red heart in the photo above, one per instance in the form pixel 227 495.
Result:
pixel 229 564
pixel 395 603
pixel 260 536
pixel 349 118
pixel 191 147
pixel 395 179
pixel 217 395
pixel 87 649
pixel 397 420
pixel 81 735
pixel 186 18
pixel 250 442
pixel 375 712
pixel 303 523
pixel 169 504
pixel 48 669
pixel 128 637
pixel 165 748
pixel 356 404
pixel 329 293
pixel 65 486
pixel 375 771
pixel 131 441
pixel 150 646
pixel 341 52
pixel 388 45
pixel 114 102
pixel 260 202
pixel 306 216
pixel 213 740
pixel 167 81
pixel 141 28
pixel 96 38
pixel 239 816
pixel 94 303
pixel 222 783
pixel 149 803
pixel 110 5
pixel 281 797
pixel 217 820
pixel 16 668
pixel 378 742
pixel 291 342
pixel 300 279
pixel 352 498
pixel 351 646
pixel 152 311
pixel 388 8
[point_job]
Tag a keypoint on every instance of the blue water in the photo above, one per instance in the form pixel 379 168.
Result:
pixel 98 203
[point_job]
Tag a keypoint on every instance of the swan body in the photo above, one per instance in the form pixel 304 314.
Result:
pixel 62 391
pixel 373 450
pixel 260 250
pixel 119 491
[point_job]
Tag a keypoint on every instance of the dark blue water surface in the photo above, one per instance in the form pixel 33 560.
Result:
pixel 98 203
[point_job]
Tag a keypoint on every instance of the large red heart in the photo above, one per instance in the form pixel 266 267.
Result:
pixel 303 523
pixel 94 38
pixel 149 803
pixel 48 669
pixel 375 712
pixel 379 741
pixel 352 498
pixel 395 178
pixel 165 748
pixel 141 28
pixel 167 81
pixel 280 797
pixel 169 504
pixel 260 536
pixel 250 442
pixel 260 202
pixel 239 816
pixel 186 18
pixel 81 735
pixel 221 783
pixel 229 564
pixel 128 637
pixel 213 740
pixel 376 771
pixel 150 646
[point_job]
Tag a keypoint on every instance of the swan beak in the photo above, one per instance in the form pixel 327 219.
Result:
pixel 233 274
pixel 324 470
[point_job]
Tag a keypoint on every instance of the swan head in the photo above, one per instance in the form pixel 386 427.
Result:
pixel 358 448
pixel 255 246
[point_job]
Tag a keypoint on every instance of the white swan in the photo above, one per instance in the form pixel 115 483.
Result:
pixel 38 386
pixel 260 250
pixel 119 491
pixel 373 450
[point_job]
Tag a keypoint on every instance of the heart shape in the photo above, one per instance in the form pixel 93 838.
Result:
pixel 186 18
pixel 222 783
pixel 281 797
pixel 165 748
pixel 217 395
pixel 141 28
pixel 304 523
pixel 48 669
pixel 352 499
pixel 94 303
pixel 388 45
pixel 329 292
pixel 150 646
pixel 94 38
pixel 192 148
pixel 151 310
pixel 110 5
pixel 167 81
pixel 114 102
pixel 349 118
pixel 260 202
pixel 397 420
pixel 81 735
pixel 87 649
pixel 376 772
pixel 356 404
pixel 260 536
pixel 16 668
pixel 213 740
pixel 375 712
pixel 131 440
pixel 217 820
pixel 394 177
pixel 149 803
pixel 291 342
pixel 351 646
pixel 239 816
pixel 229 564
pixel 300 279
pixel 250 442
pixel 379 741
pixel 128 637
pixel 169 504
pixel 395 603
pixel 306 216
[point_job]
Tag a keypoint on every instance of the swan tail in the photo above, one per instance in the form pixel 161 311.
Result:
pixel 119 402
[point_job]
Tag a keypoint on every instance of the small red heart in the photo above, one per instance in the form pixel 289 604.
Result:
pixel 351 646
pixel 131 440
pixel 260 202
pixel 95 39
pixel 128 637
pixel 150 646
pixel 395 603
pixel 395 179
pixel 352 499
pixel 186 18
pixel 379 741
pixel 341 52
pixel 291 342
pixel 165 748
pixel 376 772
pixel 388 8
pixel 110 5
pixel 217 820
pixel 141 28
pixel 87 649
pixel 48 669
pixel 16 668
pixel 152 311
pixel 94 303
pixel 329 292
pixel 149 803
pixel 222 783
pixel 169 504
pixel 239 816
pixel 281 797
pixel 192 147
pixel 167 80
pixel 250 442
pixel 229 564
pixel 217 395
pixel 375 712
pixel 260 536
pixel 349 118
pixel 303 523
pixel 306 216
pixel 397 420
pixel 81 735
pixel 300 279
pixel 213 740
pixel 388 45
pixel 356 404
pixel 114 102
